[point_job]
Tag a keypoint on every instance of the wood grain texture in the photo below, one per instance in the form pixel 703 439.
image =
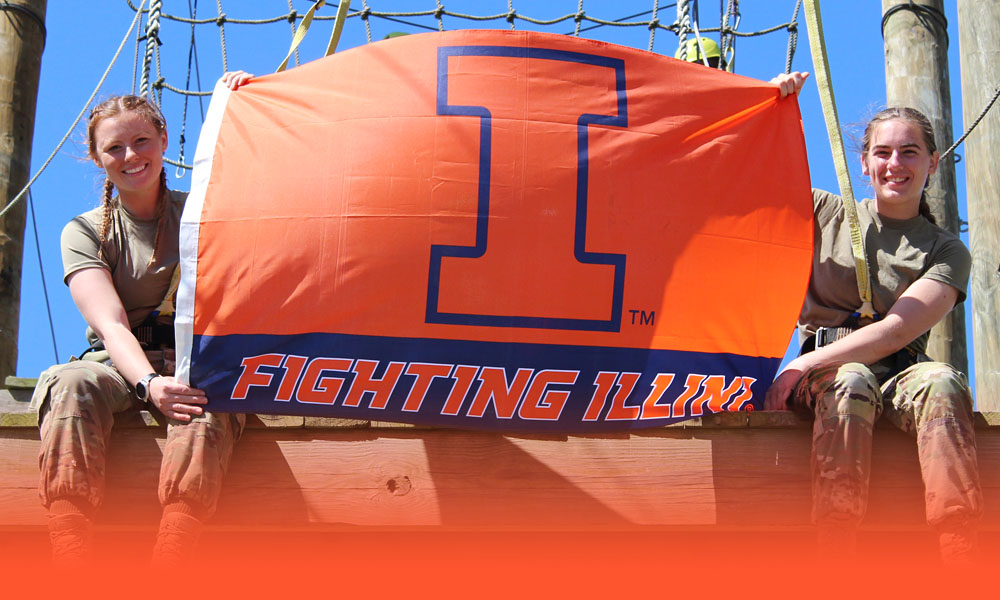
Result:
pixel 979 38
pixel 22 39
pixel 307 478
pixel 916 75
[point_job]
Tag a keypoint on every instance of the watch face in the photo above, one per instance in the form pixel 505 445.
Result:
pixel 142 388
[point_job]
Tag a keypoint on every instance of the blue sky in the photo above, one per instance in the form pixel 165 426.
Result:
pixel 82 38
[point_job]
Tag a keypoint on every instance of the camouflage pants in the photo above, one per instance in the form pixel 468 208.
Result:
pixel 929 400
pixel 76 405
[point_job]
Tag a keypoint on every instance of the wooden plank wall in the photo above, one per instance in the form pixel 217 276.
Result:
pixel 724 475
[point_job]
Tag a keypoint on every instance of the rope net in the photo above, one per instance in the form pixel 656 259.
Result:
pixel 240 30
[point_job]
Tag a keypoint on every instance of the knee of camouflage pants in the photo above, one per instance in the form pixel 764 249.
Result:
pixel 933 401
pixel 846 401
pixel 195 459
pixel 925 392
pixel 76 404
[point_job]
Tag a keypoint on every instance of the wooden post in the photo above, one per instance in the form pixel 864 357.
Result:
pixel 979 40
pixel 22 38
pixel 916 75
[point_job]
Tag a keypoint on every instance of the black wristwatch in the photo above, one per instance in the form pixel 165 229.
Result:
pixel 142 388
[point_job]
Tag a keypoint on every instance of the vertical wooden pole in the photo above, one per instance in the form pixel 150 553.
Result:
pixel 979 41
pixel 22 38
pixel 916 75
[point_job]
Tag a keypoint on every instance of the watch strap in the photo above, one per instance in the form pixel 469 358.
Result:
pixel 142 387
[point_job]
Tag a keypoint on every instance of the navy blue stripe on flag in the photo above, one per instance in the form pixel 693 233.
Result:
pixel 513 387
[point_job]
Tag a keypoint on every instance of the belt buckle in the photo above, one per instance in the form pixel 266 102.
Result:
pixel 828 335
pixel 822 334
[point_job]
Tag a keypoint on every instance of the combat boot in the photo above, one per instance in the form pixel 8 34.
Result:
pixel 958 546
pixel 837 542
pixel 177 540
pixel 70 535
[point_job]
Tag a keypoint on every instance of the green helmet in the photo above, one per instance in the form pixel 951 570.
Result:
pixel 693 50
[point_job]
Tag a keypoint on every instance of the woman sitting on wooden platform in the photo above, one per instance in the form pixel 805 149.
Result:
pixel 854 368
pixel 120 263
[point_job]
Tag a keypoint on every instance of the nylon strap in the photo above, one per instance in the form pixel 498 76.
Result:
pixel 300 33
pixel 303 29
pixel 166 307
pixel 338 26
pixel 817 45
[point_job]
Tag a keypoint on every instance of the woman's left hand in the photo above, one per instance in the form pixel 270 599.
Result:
pixel 235 79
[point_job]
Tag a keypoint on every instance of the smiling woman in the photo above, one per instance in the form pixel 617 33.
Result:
pixel 126 138
pixel 854 368
pixel 120 262
pixel 899 155
pixel 130 150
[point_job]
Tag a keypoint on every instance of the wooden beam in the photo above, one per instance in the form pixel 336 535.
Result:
pixel 916 75
pixel 725 471
pixel 979 34
pixel 726 478
pixel 22 38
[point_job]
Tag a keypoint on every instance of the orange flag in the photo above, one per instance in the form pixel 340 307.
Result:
pixel 491 229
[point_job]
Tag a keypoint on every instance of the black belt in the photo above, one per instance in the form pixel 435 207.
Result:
pixel 154 335
pixel 900 360
pixel 151 336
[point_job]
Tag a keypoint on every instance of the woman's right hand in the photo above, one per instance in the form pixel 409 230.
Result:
pixel 790 83
pixel 779 393
pixel 176 400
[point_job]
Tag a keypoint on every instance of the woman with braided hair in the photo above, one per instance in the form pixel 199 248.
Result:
pixel 120 263
pixel 854 369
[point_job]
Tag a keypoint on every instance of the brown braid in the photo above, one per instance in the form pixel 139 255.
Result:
pixel 925 209
pixel 108 204
pixel 914 117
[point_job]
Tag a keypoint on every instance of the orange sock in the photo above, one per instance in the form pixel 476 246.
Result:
pixel 70 506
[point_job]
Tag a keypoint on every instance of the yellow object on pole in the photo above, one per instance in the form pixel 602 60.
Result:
pixel 814 25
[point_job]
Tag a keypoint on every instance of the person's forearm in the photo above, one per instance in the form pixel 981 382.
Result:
pixel 126 354
pixel 866 345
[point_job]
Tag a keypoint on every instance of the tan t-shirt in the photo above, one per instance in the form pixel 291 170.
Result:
pixel 127 250
pixel 899 252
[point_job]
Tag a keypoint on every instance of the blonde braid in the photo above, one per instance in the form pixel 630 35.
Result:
pixel 108 204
